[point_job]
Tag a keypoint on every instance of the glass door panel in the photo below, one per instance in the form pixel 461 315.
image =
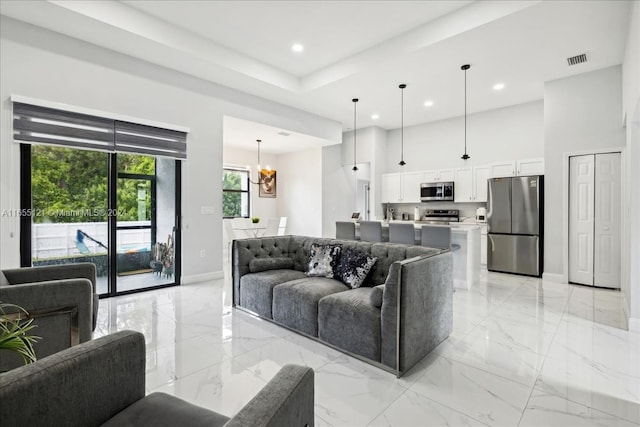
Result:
pixel 69 208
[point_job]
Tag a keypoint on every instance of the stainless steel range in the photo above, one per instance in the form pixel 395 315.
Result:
pixel 440 216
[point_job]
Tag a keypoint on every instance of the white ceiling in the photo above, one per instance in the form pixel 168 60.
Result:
pixel 360 49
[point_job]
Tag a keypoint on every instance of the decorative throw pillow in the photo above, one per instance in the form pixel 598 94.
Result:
pixel 323 259
pixel 354 267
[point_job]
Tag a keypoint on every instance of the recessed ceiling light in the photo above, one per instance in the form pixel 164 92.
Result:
pixel 375 116
pixel 498 86
pixel 297 47
pixel 428 103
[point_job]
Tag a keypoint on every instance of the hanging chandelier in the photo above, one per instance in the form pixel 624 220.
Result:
pixel 264 175
pixel 402 162
pixel 355 168
pixel 465 67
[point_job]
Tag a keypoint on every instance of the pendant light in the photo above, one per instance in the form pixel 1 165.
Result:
pixel 464 68
pixel 266 172
pixel 355 101
pixel 402 162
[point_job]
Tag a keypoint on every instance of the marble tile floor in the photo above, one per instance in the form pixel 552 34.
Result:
pixel 523 352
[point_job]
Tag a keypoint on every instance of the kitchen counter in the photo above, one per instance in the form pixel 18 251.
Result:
pixel 466 249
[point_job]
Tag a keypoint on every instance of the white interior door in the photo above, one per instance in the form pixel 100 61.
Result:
pixel 581 221
pixel 607 219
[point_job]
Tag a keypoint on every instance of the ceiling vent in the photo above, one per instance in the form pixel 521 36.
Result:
pixel 578 59
pixel 283 133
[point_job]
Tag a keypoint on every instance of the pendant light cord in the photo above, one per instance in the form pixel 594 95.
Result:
pixel 402 162
pixel 355 129
pixel 465 67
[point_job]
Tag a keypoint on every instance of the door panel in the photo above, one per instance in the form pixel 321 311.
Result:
pixel 607 221
pixel 513 254
pixel 499 205
pixel 581 223
pixel 524 210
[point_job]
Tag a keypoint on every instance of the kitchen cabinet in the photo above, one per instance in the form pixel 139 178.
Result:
pixel 401 187
pixel 523 167
pixel 436 175
pixel 471 184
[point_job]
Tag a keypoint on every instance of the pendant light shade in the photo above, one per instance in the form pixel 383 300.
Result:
pixel 464 68
pixel 263 174
pixel 355 129
pixel 402 162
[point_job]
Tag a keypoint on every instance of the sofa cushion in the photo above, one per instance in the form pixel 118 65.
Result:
pixel 354 267
pixel 161 409
pixel 323 259
pixel 295 303
pixel 351 321
pixel 257 265
pixel 256 289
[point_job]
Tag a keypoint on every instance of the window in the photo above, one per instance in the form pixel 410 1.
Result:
pixel 235 193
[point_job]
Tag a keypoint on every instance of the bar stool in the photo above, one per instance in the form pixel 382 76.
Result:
pixel 436 236
pixel 371 231
pixel 345 230
pixel 402 233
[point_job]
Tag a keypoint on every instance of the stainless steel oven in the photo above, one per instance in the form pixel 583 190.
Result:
pixel 436 191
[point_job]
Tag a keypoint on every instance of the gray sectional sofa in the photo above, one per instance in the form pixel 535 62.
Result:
pixel 403 310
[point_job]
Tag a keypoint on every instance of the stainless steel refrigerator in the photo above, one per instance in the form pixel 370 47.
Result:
pixel 515 218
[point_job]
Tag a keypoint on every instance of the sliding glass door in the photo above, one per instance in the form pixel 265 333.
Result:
pixel 117 211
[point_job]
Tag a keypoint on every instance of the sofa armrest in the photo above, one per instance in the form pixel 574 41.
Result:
pixel 82 270
pixel 287 400
pixel 83 385
pixel 418 291
pixel 41 298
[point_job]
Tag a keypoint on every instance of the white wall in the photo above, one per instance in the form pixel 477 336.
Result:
pixel 631 111
pixel 582 113
pixel 338 190
pixel 45 65
pixel 299 191
pixel 510 133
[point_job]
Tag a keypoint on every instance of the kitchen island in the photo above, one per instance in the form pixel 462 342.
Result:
pixel 465 247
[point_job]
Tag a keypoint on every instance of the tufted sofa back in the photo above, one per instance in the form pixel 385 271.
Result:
pixel 298 248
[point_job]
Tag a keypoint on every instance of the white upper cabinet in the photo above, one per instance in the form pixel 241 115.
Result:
pixel 523 167
pixel 401 187
pixel 436 175
pixel 471 184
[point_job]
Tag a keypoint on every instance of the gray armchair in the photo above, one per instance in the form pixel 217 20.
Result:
pixel 102 382
pixel 61 298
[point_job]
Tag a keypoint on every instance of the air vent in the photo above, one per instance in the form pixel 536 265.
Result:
pixel 578 59
pixel 284 133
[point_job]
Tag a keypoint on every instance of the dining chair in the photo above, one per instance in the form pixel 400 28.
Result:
pixel 272 227
pixel 345 230
pixel 283 226
pixel 402 233
pixel 371 231
pixel 242 225
pixel 436 236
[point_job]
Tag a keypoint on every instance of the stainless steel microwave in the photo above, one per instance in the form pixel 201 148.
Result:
pixel 436 191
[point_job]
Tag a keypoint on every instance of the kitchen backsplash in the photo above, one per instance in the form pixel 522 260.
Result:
pixel 467 210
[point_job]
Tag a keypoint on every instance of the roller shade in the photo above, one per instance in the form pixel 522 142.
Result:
pixel 135 138
pixel 33 124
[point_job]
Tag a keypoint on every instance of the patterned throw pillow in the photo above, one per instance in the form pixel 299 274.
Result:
pixel 323 259
pixel 354 267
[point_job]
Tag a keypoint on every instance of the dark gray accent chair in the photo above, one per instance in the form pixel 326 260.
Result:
pixel 102 382
pixel 403 310
pixel 61 299
pixel 371 231
pixel 402 233
pixel 345 230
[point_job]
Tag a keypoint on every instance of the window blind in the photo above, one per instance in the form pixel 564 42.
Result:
pixel 34 124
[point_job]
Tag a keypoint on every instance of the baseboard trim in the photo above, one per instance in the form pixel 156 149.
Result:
pixel 553 277
pixel 204 277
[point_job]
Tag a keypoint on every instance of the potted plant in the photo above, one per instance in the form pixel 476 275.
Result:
pixel 255 220
pixel 15 328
